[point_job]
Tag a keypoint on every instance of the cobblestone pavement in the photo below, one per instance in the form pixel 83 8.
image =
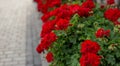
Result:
pixel 19 33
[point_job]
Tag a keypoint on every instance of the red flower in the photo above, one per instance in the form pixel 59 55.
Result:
pixel 51 37
pixel 116 23
pixel 47 27
pixel 102 6
pixel 109 2
pixel 112 12
pixel 45 17
pixel 88 4
pixel 100 33
pixel 47 40
pixel 90 59
pixel 42 7
pixel 40 48
pixel 37 1
pixel 53 3
pixel 107 33
pixel 49 57
pixel 89 0
pixel 84 12
pixel 54 12
pixel 64 12
pixel 74 8
pixel 62 24
pixel 89 50
pixel 45 44
pixel 89 46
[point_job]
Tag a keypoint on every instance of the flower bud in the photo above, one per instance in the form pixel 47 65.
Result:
pixel 95 23
pixel 112 47
pixel 81 25
pixel 116 29
pixel 78 32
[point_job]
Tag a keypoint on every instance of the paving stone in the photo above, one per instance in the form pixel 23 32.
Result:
pixel 20 26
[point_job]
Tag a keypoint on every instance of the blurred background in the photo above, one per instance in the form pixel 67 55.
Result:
pixel 117 2
pixel 20 26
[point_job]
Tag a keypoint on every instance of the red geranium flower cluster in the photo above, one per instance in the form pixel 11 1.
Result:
pixel 101 33
pixel 46 42
pixel 90 59
pixel 60 21
pixel 110 2
pixel 89 50
pixel 49 57
pixel 113 14
pixel 62 17
pixel 66 11
pixel 88 4
pixel 89 46
pixel 44 5
pixel 62 24
pixel 47 28
pixel 84 12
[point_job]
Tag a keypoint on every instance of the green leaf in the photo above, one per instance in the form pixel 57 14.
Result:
pixel 117 54
pixel 74 60
pixel 72 39
pixel 110 59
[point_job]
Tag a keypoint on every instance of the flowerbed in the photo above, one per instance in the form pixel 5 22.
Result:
pixel 80 33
